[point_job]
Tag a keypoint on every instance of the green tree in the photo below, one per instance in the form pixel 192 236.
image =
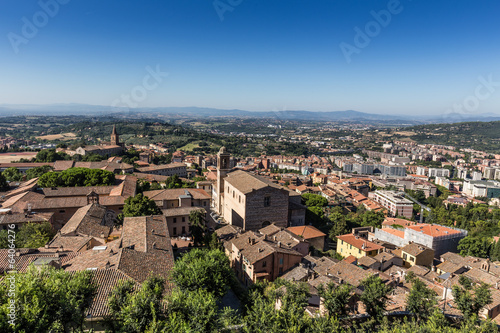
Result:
pixel 47 300
pixel 140 205
pixel 336 298
pixel 192 311
pixel 314 200
pixel 374 296
pixel 37 171
pixel 471 299
pixel 3 183
pixel 421 301
pixel 132 310
pixel 34 235
pixel 173 182
pixel 197 221
pixel 474 246
pixel 203 269
pixel 50 155
pixel 12 174
pixel 77 177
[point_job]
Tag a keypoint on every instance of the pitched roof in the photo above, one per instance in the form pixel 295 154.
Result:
pixel 173 194
pixel 433 230
pixel 415 249
pixel 306 231
pixel 270 230
pixel 105 280
pixel 246 182
pixel 349 273
pixel 90 220
pixel 180 211
pixel 144 249
pixel 360 243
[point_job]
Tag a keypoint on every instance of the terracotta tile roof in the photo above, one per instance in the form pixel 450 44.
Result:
pixel 144 249
pixel 180 211
pixel 246 182
pixel 393 220
pixel 384 256
pixel 269 230
pixel 106 280
pixel 419 270
pixel 154 167
pixel 227 232
pixel 173 194
pixel 264 248
pixel 395 232
pixel 449 267
pixel 91 220
pixel 306 231
pixel 350 260
pixel 298 273
pixel 76 191
pixel 27 256
pixel 69 243
pixel 320 280
pixel 433 230
pixel 367 261
pixel 360 243
pixel 415 249
pixel 349 273
pixel 321 265
pixel 20 218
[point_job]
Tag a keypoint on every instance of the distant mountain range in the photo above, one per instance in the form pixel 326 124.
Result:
pixel 199 112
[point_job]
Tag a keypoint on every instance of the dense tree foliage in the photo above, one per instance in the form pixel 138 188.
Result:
pixel 421 301
pixel 374 296
pixel 47 300
pixel 37 171
pixel 3 183
pixel 132 310
pixel 140 205
pixel 77 177
pixel 30 235
pixel 12 174
pixel 336 298
pixel 197 224
pixel 471 299
pixel 203 269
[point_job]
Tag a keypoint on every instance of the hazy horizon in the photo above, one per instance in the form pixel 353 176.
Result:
pixel 380 57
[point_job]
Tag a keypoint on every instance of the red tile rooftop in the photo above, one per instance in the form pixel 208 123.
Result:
pixel 359 242
pixel 433 230
pixel 395 232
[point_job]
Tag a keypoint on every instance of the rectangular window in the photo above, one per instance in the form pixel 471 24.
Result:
pixel 281 270
pixel 404 256
pixel 175 231
pixel 359 251
pixel 62 211
pixel 281 261
pixel 264 264
pixel 183 219
pixel 412 258
pixel 267 201
pixel 175 219
pixel 183 230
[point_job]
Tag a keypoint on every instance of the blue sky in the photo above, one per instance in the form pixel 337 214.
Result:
pixel 262 55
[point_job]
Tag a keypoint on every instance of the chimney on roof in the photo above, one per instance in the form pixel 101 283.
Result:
pixel 154 245
pixel 279 244
pixel 107 264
